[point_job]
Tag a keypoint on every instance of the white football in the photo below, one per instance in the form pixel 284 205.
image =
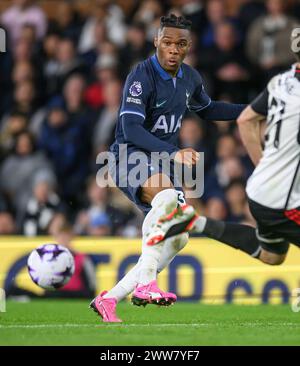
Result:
pixel 51 266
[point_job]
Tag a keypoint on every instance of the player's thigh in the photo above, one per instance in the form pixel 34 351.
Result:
pixel 153 185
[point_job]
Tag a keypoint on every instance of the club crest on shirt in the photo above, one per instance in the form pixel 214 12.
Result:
pixel 136 89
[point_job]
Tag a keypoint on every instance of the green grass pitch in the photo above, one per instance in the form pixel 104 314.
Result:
pixel 70 322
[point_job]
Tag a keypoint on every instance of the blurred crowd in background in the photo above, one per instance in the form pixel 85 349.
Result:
pixel 60 87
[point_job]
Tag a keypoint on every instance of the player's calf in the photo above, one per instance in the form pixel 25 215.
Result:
pixel 245 238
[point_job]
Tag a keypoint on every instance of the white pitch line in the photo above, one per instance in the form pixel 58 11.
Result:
pixel 34 326
pixel 96 325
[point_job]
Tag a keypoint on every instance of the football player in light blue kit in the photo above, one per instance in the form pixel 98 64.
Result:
pixel 156 95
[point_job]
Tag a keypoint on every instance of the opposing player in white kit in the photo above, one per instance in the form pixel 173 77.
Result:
pixel 273 190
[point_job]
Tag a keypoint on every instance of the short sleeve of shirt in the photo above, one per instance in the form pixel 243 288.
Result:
pixel 260 104
pixel 136 93
pixel 199 100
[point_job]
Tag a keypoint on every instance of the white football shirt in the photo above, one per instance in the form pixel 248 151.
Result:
pixel 275 182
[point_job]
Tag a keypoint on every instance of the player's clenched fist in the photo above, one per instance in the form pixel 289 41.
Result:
pixel 187 156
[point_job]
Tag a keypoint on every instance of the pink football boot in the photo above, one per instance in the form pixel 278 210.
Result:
pixel 151 294
pixel 106 308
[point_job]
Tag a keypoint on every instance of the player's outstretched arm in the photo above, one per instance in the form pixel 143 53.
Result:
pixel 249 126
pixel 221 111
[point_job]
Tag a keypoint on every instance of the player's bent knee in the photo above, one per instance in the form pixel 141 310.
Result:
pixel 272 259
pixel 154 185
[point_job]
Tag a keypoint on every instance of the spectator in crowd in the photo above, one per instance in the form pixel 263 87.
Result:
pixel 65 64
pixel 237 201
pixel 7 223
pixel 40 209
pixel 23 12
pixel 28 48
pixel 136 48
pixel 28 34
pixel 227 65
pixel 249 11
pixel 95 220
pixel 104 129
pixel 25 98
pixel 267 42
pixel 91 56
pixel 25 101
pixel 216 14
pixel 126 219
pixel 23 51
pixel 227 168
pixel 194 11
pixel 191 58
pixel 105 72
pixel 149 12
pixel 22 71
pixel 6 62
pixel 216 209
pixel 21 54
pixel 295 9
pixel 13 126
pixel 59 219
pixel 68 22
pixel 50 64
pixel 65 138
pixel 18 171
pixel 107 63
pixel 193 134
pixel 114 19
pixel 107 212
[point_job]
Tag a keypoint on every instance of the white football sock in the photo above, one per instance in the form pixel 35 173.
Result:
pixel 163 203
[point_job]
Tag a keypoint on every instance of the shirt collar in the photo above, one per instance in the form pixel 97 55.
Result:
pixel 163 73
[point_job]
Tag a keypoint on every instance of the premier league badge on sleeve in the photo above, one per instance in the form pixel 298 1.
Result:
pixel 136 89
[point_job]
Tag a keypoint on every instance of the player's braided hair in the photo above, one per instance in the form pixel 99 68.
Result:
pixel 175 22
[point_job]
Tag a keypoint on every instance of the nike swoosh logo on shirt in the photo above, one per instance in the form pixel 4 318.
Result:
pixel 160 104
